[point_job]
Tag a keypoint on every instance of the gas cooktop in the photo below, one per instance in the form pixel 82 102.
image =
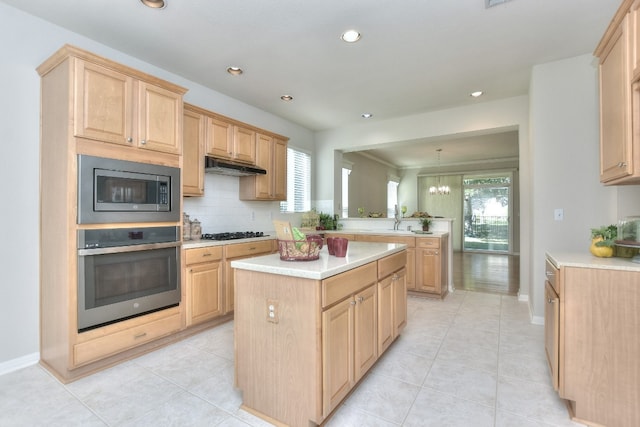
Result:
pixel 234 235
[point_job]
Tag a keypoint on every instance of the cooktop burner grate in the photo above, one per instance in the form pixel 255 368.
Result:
pixel 233 235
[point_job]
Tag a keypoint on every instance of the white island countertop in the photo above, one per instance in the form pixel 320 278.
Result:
pixel 358 253
pixel 587 260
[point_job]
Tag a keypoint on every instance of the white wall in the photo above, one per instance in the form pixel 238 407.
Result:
pixel 25 42
pixel 565 163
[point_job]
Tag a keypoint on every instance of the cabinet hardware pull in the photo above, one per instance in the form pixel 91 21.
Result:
pixel 353 303
pixel 143 142
pixel 206 254
pixel 549 273
pixel 140 335
pixel 552 301
pixel 360 299
pixel 252 249
pixel 129 140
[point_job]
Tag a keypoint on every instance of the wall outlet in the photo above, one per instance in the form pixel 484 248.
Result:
pixel 558 214
pixel 272 311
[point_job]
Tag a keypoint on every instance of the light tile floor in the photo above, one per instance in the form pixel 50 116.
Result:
pixel 470 360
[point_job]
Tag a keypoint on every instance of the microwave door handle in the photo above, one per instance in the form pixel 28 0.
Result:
pixel 129 248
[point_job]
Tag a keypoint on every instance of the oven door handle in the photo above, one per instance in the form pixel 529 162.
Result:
pixel 129 248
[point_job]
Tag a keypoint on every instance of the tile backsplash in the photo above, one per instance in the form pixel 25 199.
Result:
pixel 221 209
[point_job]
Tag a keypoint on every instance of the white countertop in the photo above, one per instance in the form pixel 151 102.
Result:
pixel 587 260
pixel 358 253
pixel 403 233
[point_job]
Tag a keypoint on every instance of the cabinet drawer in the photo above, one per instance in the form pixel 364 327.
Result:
pixel 392 263
pixel 99 348
pixel 428 242
pixel 552 274
pixel 342 285
pixel 198 255
pixel 247 249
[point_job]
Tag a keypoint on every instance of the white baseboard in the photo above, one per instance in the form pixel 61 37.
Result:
pixel 537 320
pixel 19 363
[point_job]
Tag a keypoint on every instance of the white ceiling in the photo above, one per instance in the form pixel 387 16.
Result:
pixel 414 55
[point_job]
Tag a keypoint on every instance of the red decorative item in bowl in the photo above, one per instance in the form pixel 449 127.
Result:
pixel 299 250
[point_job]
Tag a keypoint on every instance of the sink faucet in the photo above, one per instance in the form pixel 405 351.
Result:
pixel 396 223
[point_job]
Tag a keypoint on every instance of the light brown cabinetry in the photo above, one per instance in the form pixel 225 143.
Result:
pixel 91 105
pixel 431 265
pixel 552 321
pixel 392 299
pixel 204 284
pixel 271 155
pixel 411 257
pixel 240 251
pixel 620 98
pixel 194 125
pixel 303 344
pixel 598 343
pixel 112 106
pixel 227 140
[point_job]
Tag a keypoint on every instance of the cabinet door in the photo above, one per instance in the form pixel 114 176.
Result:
pixel 159 119
pixel 103 105
pixel 219 138
pixel 385 313
pixel 410 277
pixel 615 108
pixel 634 39
pixel 399 301
pixel 428 270
pixel 552 331
pixel 229 287
pixel 337 353
pixel 204 292
pixel 366 330
pixel 193 154
pixel 264 159
pixel 279 170
pixel 244 145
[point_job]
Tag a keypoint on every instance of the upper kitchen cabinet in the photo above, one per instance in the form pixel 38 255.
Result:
pixel 115 104
pixel 194 125
pixel 271 155
pixel 230 141
pixel 619 71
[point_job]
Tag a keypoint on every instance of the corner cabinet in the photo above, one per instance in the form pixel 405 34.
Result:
pixel 194 125
pixel 91 105
pixel 592 319
pixel 619 82
pixel 271 154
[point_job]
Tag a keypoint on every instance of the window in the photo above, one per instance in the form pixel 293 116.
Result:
pixel 392 196
pixel 345 191
pixel 298 182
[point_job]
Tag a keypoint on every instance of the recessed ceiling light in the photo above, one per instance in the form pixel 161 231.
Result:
pixel 350 36
pixel 476 93
pixel 235 71
pixel 286 98
pixel 367 115
pixel 154 4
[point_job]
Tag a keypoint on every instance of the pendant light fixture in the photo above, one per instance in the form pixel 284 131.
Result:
pixel 441 190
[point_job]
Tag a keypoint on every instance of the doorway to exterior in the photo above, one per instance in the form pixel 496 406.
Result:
pixel 487 212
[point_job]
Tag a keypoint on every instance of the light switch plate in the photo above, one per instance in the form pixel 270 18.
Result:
pixel 558 214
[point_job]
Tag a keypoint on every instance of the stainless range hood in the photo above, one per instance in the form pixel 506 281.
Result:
pixel 227 167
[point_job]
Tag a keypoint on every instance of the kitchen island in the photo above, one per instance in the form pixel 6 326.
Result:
pixel 306 332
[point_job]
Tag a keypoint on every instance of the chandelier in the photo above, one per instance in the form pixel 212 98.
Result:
pixel 439 189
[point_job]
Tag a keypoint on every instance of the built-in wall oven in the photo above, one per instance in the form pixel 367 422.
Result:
pixel 126 272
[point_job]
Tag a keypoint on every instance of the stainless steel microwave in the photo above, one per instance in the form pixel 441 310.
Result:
pixel 116 191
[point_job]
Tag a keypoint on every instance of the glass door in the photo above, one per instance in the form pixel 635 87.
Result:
pixel 487 212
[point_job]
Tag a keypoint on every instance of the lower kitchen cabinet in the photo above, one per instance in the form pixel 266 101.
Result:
pixel 204 284
pixel 596 340
pixel 392 299
pixel 431 265
pixel 349 344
